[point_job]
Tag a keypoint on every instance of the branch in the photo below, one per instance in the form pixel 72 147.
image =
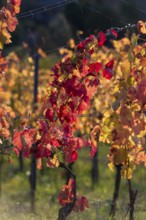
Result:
pixel 65 211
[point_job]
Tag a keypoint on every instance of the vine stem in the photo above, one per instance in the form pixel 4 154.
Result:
pixel 65 211
pixel 68 174
pixel 1 160
pixel 132 198
pixel 116 190
pixel 95 171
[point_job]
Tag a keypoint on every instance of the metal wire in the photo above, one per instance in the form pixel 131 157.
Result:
pixel 133 6
pixel 45 8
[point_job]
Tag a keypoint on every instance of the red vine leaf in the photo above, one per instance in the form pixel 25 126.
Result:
pixel 66 195
pixel 101 38
pixel 81 204
pixel 108 71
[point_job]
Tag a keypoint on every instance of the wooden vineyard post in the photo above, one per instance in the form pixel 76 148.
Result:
pixel 21 165
pixel 33 175
pixel 1 160
pixel 95 171
pixel 116 190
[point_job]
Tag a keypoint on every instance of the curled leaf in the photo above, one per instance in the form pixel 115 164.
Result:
pixel 53 162
pixel 141 26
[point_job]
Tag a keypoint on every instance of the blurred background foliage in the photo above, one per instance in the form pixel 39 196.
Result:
pixel 53 28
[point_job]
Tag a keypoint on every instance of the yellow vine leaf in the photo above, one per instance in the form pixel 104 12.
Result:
pixel 53 162
pixel 111 166
pixel 119 45
pixel 127 170
pixel 141 26
pixel 120 155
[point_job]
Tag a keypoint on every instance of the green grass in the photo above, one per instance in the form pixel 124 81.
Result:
pixel 48 62
pixel 15 198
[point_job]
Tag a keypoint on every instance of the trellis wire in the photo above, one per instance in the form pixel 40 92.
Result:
pixel 45 8
pixel 133 6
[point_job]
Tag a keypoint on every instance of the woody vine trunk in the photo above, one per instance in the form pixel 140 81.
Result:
pixel 116 190
pixel 66 210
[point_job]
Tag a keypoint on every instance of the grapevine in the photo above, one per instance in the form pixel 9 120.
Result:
pixel 77 80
